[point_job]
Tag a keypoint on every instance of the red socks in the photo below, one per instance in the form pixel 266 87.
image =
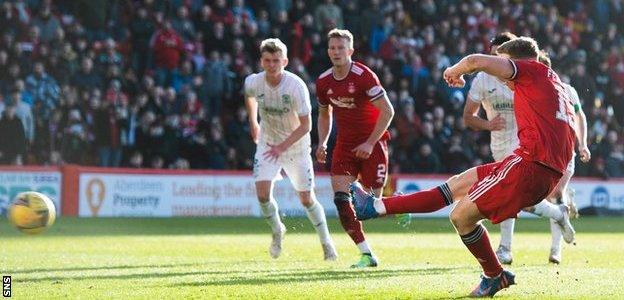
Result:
pixel 349 222
pixel 478 242
pixel 420 202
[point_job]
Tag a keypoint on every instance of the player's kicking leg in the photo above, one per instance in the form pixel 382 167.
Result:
pixel 270 211
pixel 368 206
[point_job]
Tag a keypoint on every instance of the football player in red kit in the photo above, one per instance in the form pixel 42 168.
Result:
pixel 499 190
pixel 351 92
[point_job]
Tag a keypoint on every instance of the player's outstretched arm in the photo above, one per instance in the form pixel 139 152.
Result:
pixel 500 67
pixel 324 126
pixel 386 112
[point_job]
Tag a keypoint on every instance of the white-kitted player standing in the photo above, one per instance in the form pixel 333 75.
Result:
pixel 282 101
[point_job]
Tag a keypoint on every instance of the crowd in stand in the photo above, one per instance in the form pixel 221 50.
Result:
pixel 157 83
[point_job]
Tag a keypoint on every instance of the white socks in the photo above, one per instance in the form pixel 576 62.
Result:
pixel 364 248
pixel 507 229
pixel 548 210
pixel 271 214
pixel 316 214
pixel 379 206
pixel 556 234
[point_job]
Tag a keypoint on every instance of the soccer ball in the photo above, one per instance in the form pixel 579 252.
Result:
pixel 32 212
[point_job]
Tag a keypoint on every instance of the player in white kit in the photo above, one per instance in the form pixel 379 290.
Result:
pixel 497 100
pixel 282 101
pixel 561 193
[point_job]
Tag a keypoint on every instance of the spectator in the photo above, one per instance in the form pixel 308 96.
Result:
pixel 167 48
pixel 328 16
pixel 141 30
pixel 86 79
pixel 427 161
pixel 47 23
pixel 44 89
pixel 74 140
pixel 216 84
pixel 23 112
pixel 11 129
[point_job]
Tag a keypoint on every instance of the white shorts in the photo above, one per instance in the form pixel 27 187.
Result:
pixel 298 168
pixel 570 167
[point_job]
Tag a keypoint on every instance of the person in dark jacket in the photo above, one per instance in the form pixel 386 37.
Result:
pixel 13 145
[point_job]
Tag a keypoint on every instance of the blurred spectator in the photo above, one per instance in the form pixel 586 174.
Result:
pixel 11 129
pixel 171 72
pixel 167 48
pixel 328 15
pixel 23 112
pixel 44 89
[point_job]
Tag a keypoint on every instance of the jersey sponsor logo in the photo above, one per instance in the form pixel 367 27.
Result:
pixel 374 91
pixel 343 102
pixel 506 106
pixel 330 92
pixel 275 110
pixel 351 88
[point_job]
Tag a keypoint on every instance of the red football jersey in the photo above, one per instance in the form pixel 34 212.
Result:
pixel 544 115
pixel 351 99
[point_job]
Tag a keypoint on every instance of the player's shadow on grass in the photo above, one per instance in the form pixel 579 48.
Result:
pixel 245 277
pixel 96 268
pixel 314 275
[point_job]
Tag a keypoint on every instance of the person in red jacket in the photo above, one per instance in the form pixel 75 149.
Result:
pixel 167 49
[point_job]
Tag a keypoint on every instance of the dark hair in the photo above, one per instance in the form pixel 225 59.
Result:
pixel 501 38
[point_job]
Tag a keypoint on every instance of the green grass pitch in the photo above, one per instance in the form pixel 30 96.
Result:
pixel 210 258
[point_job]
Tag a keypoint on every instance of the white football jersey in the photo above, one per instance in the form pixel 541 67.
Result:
pixel 574 97
pixel 497 98
pixel 279 108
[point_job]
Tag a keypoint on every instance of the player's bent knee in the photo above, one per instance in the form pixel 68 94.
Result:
pixel 306 198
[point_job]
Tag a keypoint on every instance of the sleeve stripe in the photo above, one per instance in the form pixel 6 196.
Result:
pixel 577 107
pixel 378 96
pixel 322 105
pixel 515 70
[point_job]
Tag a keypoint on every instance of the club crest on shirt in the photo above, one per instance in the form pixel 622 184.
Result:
pixel 351 87
pixel 344 102
pixel 286 99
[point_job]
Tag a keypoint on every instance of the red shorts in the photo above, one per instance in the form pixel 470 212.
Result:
pixel 506 187
pixel 372 171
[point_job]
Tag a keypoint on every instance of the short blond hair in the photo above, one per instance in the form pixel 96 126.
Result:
pixel 521 47
pixel 272 46
pixel 341 34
